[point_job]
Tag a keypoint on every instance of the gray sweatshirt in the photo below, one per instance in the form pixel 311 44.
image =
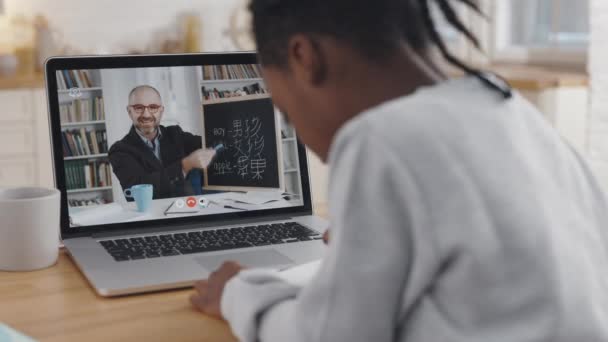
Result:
pixel 456 215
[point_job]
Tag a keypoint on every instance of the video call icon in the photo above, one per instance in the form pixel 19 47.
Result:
pixel 191 202
pixel 75 92
pixel 180 203
pixel 203 202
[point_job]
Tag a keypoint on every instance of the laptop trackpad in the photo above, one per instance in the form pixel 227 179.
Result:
pixel 267 258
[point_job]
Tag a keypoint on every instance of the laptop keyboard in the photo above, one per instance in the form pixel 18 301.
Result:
pixel 156 246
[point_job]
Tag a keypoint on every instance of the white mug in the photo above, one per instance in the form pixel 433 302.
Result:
pixel 29 228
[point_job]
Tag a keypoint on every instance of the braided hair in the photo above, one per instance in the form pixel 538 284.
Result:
pixel 374 28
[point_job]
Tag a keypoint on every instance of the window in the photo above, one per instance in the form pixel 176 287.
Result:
pixel 540 31
pixel 455 42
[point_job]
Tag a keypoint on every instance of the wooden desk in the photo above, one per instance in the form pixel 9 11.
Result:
pixel 57 304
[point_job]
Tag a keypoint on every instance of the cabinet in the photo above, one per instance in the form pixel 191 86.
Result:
pixel 25 149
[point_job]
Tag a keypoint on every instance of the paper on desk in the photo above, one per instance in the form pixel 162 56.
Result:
pixel 257 197
pixel 174 209
pixel 300 275
pixel 104 214
pixel 7 334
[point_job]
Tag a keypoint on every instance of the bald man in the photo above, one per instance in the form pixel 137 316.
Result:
pixel 166 157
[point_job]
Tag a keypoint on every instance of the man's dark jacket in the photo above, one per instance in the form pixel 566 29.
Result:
pixel 135 163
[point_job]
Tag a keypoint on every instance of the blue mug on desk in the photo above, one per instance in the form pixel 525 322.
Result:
pixel 142 194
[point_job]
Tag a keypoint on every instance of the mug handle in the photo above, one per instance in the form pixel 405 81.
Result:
pixel 128 193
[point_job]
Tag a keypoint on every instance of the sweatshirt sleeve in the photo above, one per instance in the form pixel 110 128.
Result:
pixel 358 293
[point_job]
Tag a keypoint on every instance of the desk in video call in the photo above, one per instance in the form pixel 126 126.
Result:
pixel 159 208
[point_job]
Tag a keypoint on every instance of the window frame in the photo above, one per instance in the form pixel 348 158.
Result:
pixel 501 50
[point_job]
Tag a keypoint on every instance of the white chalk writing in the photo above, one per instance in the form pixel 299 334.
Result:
pixel 247 143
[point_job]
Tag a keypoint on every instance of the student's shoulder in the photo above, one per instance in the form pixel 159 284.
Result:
pixel 407 120
pixel 444 111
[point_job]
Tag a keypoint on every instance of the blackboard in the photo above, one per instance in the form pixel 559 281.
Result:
pixel 250 158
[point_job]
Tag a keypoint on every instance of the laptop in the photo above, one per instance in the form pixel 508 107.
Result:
pixel 170 165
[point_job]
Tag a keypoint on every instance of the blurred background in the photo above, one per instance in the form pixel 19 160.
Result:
pixel 554 51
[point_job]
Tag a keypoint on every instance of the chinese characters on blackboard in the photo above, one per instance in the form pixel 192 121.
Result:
pixel 246 143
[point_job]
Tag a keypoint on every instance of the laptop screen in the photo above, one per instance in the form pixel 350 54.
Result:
pixel 164 142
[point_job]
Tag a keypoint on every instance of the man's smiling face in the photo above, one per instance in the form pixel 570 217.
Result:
pixel 145 109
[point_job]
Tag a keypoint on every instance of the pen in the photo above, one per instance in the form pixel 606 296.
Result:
pixel 226 206
pixel 167 213
pixel 170 205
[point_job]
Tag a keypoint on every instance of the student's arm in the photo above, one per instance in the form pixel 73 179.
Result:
pixel 371 262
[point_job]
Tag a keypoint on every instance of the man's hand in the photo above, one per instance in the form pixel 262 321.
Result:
pixel 198 159
pixel 326 237
pixel 209 292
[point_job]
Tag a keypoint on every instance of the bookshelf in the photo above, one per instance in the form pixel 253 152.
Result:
pixel 233 78
pixel 83 123
pixel 83 126
pixel 92 156
pixel 239 80
pixel 237 98
pixel 82 90
pixel 100 188
pixel 291 162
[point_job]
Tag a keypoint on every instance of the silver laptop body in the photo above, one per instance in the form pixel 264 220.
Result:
pixel 113 278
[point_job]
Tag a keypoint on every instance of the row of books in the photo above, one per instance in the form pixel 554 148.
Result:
pixel 231 72
pixel 67 79
pixel 213 94
pixel 84 142
pixel 83 174
pixel 86 202
pixel 82 110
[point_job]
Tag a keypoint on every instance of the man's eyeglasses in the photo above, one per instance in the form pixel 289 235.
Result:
pixel 139 108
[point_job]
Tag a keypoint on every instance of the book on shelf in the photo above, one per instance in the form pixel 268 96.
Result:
pixel 83 142
pixel 67 79
pixel 87 201
pixel 81 110
pixel 61 84
pixel 231 72
pixel 84 174
pixel 213 94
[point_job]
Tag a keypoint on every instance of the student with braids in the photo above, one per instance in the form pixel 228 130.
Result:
pixel 457 213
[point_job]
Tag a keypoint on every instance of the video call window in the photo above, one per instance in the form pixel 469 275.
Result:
pixel 152 143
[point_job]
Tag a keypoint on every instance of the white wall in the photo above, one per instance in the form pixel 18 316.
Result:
pixel 598 69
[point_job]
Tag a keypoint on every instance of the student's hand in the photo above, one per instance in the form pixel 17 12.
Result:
pixel 326 237
pixel 198 159
pixel 208 294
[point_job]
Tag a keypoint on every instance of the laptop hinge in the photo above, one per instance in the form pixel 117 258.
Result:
pixel 198 225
